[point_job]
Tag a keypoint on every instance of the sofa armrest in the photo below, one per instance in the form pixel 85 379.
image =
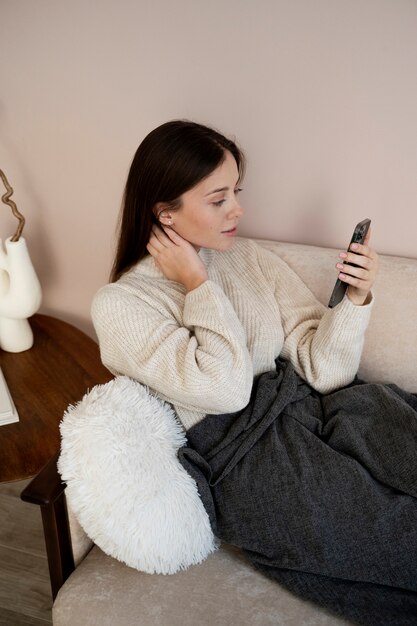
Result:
pixel 48 491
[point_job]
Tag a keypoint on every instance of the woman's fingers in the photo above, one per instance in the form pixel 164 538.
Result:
pixel 160 236
pixel 151 248
pixel 160 240
pixel 176 257
pixel 355 259
pixel 175 237
pixel 359 254
pixel 167 236
pixel 356 272
pixel 360 277
pixel 358 268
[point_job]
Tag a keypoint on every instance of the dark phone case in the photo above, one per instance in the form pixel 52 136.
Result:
pixel 340 287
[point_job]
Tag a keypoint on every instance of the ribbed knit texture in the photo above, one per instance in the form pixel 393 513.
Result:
pixel 200 351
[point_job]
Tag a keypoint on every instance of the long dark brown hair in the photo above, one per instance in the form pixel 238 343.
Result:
pixel 171 160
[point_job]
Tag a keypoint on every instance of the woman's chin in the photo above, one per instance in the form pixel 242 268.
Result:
pixel 224 242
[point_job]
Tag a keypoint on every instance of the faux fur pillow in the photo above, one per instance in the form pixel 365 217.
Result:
pixel 124 481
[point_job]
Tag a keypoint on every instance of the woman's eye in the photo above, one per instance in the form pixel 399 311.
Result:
pixel 223 200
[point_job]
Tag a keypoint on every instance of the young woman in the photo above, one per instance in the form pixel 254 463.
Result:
pixel 297 463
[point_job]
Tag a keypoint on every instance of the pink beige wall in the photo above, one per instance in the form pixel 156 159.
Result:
pixel 322 95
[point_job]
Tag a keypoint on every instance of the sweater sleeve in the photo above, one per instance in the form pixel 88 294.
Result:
pixel 202 364
pixel 324 345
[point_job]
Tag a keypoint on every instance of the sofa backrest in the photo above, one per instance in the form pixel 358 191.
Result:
pixel 390 352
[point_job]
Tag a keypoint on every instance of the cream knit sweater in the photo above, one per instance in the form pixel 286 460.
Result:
pixel 200 351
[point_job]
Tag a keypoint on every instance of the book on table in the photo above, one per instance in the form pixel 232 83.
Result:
pixel 8 413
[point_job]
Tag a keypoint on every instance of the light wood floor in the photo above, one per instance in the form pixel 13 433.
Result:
pixel 25 595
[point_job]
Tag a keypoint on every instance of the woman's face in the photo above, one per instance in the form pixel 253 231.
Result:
pixel 210 211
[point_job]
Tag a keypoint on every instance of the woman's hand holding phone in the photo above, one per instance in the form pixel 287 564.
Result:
pixel 176 258
pixel 361 275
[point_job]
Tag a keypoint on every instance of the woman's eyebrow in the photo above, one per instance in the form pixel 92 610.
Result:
pixel 217 190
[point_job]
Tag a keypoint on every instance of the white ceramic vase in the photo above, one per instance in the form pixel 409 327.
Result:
pixel 20 296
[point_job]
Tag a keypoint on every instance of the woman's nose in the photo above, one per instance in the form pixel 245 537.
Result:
pixel 236 210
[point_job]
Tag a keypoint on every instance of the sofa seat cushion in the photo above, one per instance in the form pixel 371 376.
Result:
pixel 224 590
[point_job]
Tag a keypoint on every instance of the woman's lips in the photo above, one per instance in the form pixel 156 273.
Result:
pixel 230 232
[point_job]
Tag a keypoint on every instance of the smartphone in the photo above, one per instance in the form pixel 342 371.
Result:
pixel 340 287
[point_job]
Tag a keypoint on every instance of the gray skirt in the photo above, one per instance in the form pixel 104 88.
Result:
pixel 319 491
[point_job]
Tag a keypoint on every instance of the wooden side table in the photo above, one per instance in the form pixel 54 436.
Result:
pixel 58 370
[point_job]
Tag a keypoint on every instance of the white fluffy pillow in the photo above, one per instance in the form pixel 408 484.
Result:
pixel 125 483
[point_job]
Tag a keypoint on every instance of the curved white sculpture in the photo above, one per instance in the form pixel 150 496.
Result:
pixel 20 296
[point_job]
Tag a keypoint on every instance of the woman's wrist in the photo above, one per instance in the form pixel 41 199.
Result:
pixel 193 282
pixel 358 299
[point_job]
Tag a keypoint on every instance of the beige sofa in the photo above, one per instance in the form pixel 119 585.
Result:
pixel 224 590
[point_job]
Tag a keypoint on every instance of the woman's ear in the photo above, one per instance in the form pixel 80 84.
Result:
pixel 163 214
